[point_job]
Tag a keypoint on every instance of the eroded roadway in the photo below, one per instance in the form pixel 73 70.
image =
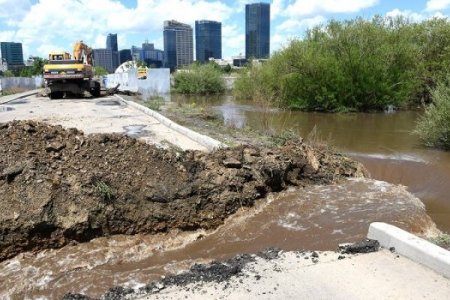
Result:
pixel 96 115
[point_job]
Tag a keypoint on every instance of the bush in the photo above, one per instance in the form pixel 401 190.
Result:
pixel 199 79
pixel 433 126
pixel 355 65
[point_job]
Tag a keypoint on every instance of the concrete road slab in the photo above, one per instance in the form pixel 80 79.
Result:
pixel 379 275
pixel 100 115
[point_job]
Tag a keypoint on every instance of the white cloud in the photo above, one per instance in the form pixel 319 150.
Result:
pixel 312 7
pixel 277 8
pixel 300 25
pixel 63 22
pixel 433 5
pixel 408 14
pixel 233 39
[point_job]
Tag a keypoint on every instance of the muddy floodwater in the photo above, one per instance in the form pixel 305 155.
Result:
pixel 292 220
pixel 383 142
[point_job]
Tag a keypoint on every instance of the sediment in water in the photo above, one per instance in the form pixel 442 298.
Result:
pixel 60 186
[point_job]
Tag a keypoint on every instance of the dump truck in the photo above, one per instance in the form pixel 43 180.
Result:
pixel 65 73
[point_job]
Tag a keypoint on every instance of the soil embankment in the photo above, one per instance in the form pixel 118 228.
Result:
pixel 60 186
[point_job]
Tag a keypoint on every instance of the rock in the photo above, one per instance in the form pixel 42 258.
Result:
pixel 10 173
pixel 232 163
pixel 365 246
pixel 55 147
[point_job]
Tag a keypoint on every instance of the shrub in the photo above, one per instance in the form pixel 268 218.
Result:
pixel 199 79
pixel 355 65
pixel 433 126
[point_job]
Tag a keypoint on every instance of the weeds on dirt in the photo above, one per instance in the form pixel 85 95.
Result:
pixel 442 240
pixel 104 190
pixel 283 137
pixel 154 103
pixel 315 140
pixel 12 91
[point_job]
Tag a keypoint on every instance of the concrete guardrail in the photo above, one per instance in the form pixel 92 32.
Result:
pixel 412 247
pixel 9 98
pixel 206 141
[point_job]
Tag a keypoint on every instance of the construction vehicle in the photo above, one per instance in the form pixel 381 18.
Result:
pixel 71 74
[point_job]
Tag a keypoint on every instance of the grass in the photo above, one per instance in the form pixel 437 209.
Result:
pixel 104 190
pixel 442 240
pixel 155 103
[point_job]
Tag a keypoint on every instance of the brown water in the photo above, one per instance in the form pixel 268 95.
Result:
pixel 383 142
pixel 317 217
pixel 293 220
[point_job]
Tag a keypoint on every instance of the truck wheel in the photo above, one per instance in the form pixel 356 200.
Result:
pixel 95 91
pixel 56 95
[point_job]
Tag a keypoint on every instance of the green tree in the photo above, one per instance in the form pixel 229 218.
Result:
pixel 8 73
pixel 38 66
pixel 100 71
pixel 433 126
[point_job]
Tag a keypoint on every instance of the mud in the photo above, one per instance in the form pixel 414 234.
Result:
pixel 60 186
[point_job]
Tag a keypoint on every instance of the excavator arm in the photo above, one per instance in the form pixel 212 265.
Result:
pixel 82 52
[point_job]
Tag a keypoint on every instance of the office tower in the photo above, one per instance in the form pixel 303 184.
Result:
pixel 257 30
pixel 151 56
pixel 111 44
pixel 136 53
pixel 104 58
pixel 12 55
pixel 208 40
pixel 178 44
pixel 125 55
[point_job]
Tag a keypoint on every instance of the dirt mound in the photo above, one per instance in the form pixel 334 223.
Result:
pixel 60 186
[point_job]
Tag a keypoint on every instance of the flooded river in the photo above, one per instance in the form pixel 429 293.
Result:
pixel 383 142
pixel 292 220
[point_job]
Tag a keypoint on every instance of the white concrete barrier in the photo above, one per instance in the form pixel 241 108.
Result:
pixel 27 83
pixel 206 141
pixel 411 246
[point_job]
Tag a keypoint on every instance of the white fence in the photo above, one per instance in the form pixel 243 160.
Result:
pixel 157 82
pixel 26 83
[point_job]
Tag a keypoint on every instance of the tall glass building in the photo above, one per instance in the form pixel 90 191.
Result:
pixel 111 44
pixel 257 30
pixel 208 40
pixel 12 53
pixel 178 44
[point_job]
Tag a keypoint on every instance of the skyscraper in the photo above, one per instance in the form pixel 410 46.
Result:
pixel 257 30
pixel 208 40
pixel 111 44
pixel 104 58
pixel 12 54
pixel 125 55
pixel 178 44
pixel 151 56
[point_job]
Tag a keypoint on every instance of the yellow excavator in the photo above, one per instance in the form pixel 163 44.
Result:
pixel 71 74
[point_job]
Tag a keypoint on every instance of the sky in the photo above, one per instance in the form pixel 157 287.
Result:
pixel 47 25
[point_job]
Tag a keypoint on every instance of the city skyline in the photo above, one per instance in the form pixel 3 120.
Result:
pixel 43 26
